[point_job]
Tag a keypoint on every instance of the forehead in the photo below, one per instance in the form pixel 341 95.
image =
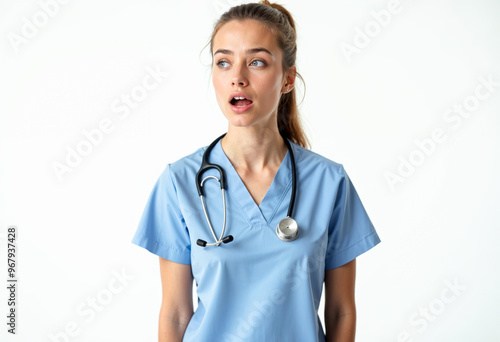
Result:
pixel 240 35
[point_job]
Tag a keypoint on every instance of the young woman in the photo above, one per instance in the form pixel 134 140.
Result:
pixel 258 277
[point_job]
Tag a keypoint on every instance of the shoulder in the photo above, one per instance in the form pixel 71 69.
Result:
pixel 189 162
pixel 184 167
pixel 315 162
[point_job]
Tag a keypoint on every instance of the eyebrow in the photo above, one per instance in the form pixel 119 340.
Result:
pixel 248 51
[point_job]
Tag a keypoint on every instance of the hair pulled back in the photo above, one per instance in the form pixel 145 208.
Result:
pixel 280 22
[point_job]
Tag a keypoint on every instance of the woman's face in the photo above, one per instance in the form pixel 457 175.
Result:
pixel 247 60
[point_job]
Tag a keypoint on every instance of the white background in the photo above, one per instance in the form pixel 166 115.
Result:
pixel 439 223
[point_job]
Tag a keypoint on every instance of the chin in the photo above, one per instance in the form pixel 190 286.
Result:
pixel 239 119
pixel 241 123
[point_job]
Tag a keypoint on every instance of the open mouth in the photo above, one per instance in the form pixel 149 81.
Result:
pixel 240 101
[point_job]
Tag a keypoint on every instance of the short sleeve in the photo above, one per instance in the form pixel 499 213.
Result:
pixel 162 229
pixel 350 232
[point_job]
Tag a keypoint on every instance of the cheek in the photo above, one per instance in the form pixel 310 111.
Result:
pixel 217 84
pixel 272 89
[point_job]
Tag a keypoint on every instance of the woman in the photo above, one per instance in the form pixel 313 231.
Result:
pixel 266 284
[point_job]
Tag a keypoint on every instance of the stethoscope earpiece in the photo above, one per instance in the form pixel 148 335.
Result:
pixel 203 243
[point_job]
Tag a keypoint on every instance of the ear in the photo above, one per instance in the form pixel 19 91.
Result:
pixel 289 80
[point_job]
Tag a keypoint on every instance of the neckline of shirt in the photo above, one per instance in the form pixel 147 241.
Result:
pixel 237 191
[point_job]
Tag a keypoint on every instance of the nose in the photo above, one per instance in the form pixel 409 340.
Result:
pixel 239 77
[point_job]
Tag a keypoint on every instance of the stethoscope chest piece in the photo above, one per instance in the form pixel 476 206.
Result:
pixel 287 230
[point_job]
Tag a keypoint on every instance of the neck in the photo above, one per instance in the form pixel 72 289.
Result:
pixel 252 148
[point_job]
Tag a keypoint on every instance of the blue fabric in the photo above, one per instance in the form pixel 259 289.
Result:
pixel 257 288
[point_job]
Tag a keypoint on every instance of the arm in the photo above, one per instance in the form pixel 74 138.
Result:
pixel 177 302
pixel 340 307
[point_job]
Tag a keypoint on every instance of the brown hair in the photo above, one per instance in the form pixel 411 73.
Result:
pixel 281 23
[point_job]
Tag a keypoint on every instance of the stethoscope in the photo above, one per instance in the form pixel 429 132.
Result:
pixel 287 229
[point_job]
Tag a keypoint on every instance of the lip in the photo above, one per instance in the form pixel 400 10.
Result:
pixel 236 109
pixel 239 110
pixel 239 95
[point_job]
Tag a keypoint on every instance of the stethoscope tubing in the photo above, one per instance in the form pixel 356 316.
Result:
pixel 220 239
pixel 294 178
pixel 205 165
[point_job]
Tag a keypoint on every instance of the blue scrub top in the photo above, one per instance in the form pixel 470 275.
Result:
pixel 257 288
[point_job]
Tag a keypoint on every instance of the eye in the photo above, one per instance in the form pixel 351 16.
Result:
pixel 256 63
pixel 221 65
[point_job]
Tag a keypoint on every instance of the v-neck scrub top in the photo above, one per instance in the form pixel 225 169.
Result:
pixel 257 288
